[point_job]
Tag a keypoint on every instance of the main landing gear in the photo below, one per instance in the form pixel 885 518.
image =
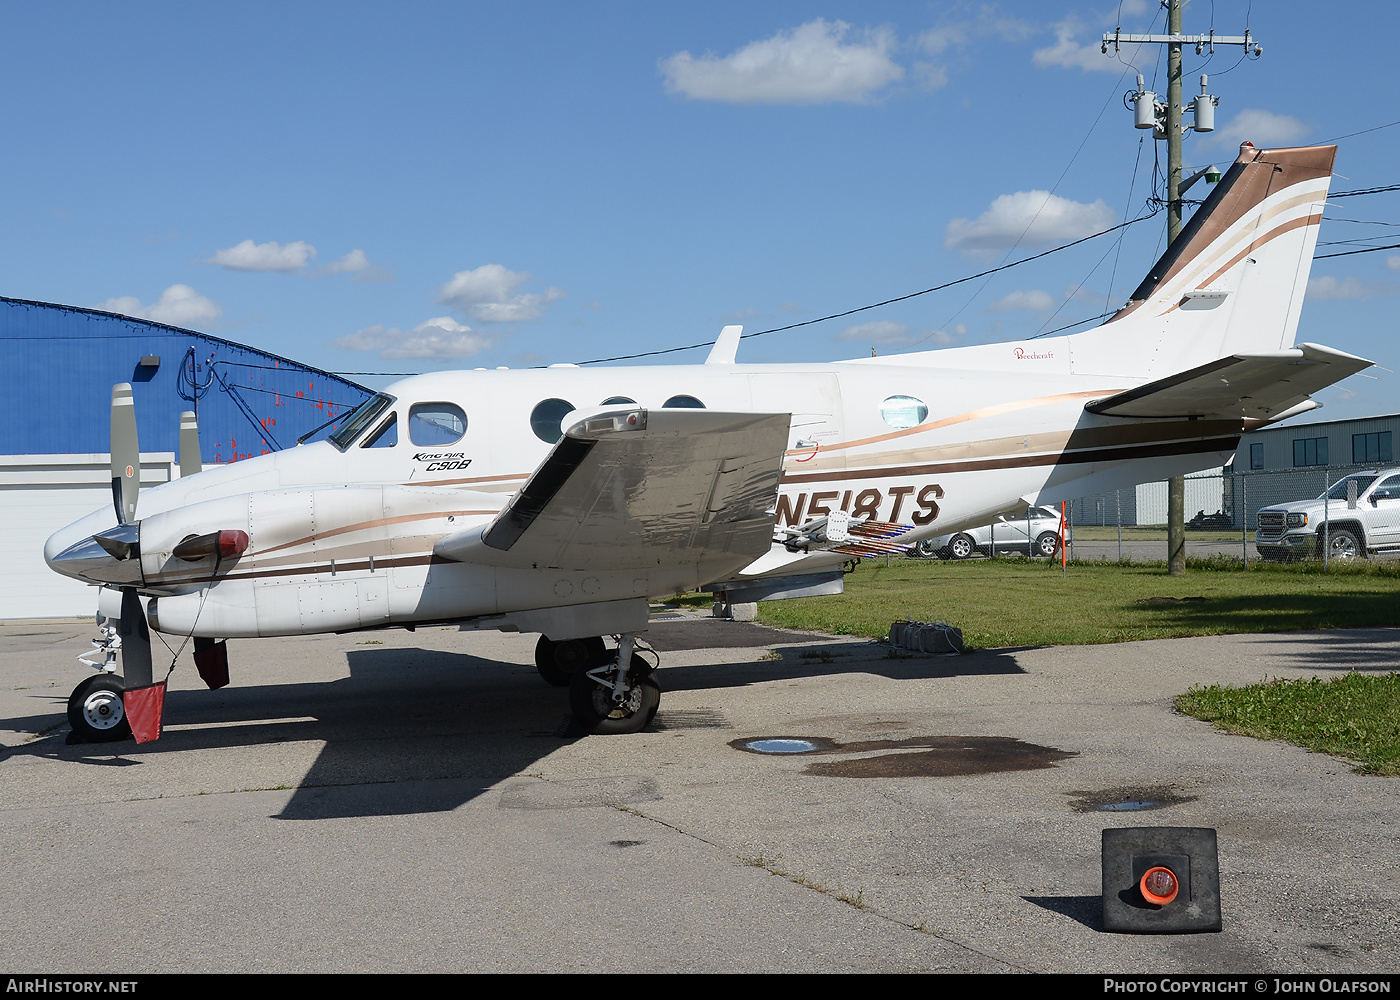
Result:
pixel 606 699
pixel 557 662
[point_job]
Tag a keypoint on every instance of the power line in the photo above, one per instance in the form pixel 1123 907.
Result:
pixel 886 302
pixel 1358 191
pixel 1348 253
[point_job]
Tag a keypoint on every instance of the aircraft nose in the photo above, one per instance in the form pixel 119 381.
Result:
pixel 69 550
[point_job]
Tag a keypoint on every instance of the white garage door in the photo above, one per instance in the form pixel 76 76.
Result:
pixel 38 495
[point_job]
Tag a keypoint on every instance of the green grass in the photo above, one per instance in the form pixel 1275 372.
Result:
pixel 1015 602
pixel 1356 716
pixel 1149 533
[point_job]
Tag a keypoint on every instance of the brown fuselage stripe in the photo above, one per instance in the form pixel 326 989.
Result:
pixel 362 525
pixel 477 479
pixel 313 569
pixel 1085 457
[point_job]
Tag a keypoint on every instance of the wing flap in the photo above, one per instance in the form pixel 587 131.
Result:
pixel 641 489
pixel 1252 386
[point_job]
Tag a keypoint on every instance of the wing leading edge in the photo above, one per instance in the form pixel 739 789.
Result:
pixel 1252 386
pixel 641 489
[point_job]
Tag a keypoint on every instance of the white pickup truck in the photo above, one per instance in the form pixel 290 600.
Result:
pixel 1359 515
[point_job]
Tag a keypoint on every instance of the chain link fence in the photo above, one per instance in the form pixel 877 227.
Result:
pixel 1222 516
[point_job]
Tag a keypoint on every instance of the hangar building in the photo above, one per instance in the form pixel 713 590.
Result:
pixel 60 363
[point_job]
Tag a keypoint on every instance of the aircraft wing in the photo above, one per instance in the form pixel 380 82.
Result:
pixel 639 488
pixel 1254 386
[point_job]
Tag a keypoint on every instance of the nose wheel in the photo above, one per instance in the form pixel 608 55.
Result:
pixel 95 711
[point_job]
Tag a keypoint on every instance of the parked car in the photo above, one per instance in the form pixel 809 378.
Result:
pixel 1036 535
pixel 1359 515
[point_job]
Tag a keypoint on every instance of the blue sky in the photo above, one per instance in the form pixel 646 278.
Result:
pixel 428 186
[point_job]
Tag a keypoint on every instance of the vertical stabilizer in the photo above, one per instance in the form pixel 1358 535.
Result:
pixel 1233 281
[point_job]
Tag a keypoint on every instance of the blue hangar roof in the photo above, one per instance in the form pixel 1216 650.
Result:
pixel 59 364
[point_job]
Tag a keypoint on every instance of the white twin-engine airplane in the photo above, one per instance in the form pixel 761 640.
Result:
pixel 559 501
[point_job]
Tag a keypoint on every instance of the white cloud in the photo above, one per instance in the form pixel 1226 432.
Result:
pixel 880 332
pixel 352 262
pixel 250 256
pixel 1030 217
pixel 488 294
pixel 1393 262
pixel 812 64
pixel 178 305
pixel 1068 53
pixel 439 338
pixel 1263 128
pixel 1028 299
pixel 1328 289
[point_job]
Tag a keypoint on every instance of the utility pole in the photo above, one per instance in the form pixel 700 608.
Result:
pixel 1165 121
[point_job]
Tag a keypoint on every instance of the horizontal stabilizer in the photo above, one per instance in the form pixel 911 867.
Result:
pixel 1252 386
pixel 638 489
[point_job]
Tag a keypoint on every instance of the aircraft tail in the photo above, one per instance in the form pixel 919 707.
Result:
pixel 1233 281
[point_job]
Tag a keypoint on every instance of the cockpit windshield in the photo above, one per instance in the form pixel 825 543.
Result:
pixel 362 416
pixel 1339 492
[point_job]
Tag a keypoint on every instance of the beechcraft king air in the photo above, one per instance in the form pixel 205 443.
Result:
pixel 559 501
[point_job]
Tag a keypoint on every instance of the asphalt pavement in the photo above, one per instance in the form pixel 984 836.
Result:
pixel 399 801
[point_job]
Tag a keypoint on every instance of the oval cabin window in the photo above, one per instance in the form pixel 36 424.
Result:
pixel 431 424
pixel 903 411
pixel 545 418
pixel 682 403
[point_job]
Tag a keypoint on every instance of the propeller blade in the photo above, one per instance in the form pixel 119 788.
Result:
pixel 189 444
pixel 136 641
pixel 126 453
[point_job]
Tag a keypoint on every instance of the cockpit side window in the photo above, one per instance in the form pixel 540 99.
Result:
pixel 360 418
pixel 386 435
pixel 435 424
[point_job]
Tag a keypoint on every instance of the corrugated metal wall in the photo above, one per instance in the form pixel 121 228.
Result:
pixel 59 364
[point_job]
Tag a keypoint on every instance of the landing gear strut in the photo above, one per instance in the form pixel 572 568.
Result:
pixel 610 700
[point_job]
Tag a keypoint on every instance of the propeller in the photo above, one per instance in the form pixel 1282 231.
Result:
pixel 126 453
pixel 124 541
pixel 189 444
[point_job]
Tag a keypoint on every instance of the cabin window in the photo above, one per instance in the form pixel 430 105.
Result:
pixel 618 401
pixel 434 424
pixel 545 418
pixel 901 412
pixel 682 403
pixel 386 435
pixel 360 418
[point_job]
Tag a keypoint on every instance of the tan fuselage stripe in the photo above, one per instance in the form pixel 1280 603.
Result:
pixel 1086 456
pixel 961 418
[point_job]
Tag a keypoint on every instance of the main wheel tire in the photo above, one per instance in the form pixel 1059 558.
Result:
pixel 557 662
pixel 1047 544
pixel 96 712
pixel 596 712
pixel 1344 545
pixel 961 546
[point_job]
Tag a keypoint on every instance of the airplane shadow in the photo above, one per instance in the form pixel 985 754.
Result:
pixel 416 730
